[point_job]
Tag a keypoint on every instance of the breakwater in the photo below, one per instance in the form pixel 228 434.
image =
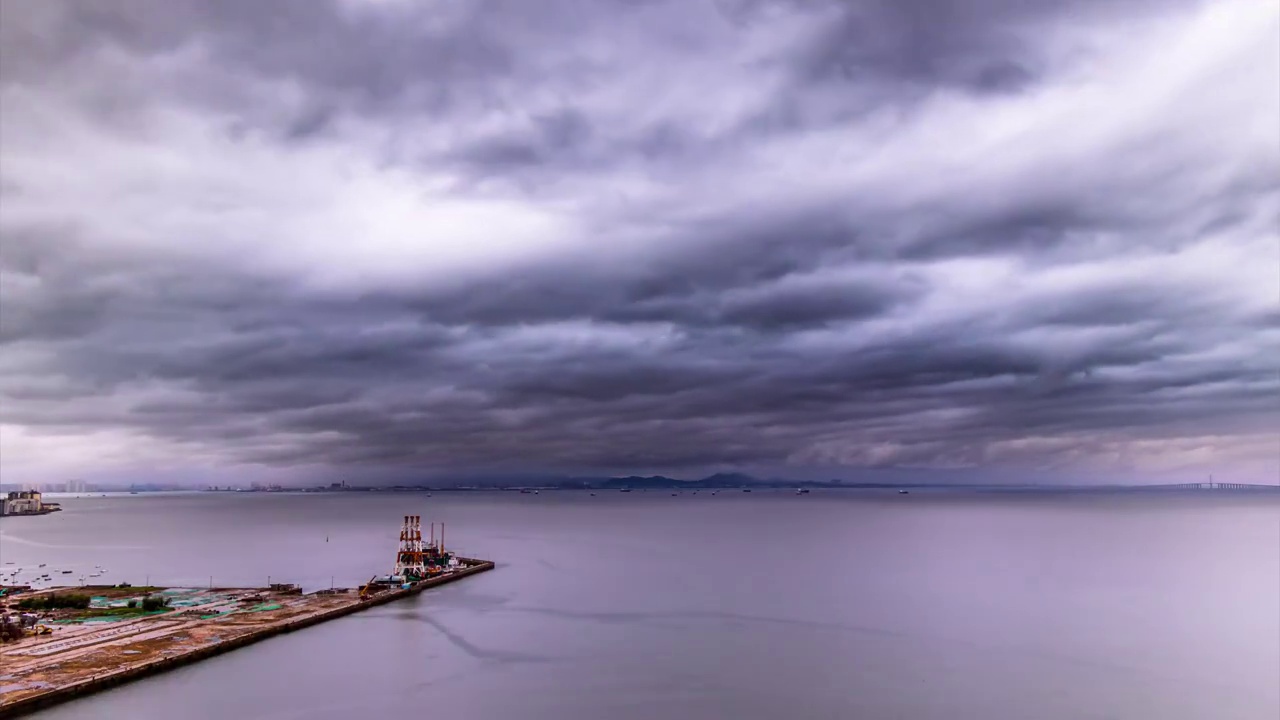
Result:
pixel 90 660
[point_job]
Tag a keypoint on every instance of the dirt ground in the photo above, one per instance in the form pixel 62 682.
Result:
pixel 87 644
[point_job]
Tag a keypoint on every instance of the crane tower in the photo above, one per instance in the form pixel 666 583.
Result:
pixel 411 560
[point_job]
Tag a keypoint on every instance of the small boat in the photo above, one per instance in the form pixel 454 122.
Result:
pixel 593 494
pixel 903 492
pixel 746 489
pixel 66 572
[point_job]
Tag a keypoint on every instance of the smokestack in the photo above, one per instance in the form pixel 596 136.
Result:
pixel 441 538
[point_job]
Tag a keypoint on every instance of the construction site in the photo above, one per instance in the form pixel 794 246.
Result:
pixel 63 643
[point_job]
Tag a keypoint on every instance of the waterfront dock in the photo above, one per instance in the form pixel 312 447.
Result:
pixel 113 642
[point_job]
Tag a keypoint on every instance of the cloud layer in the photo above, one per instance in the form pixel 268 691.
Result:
pixel 792 236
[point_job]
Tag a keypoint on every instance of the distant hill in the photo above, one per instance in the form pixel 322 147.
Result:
pixel 659 482
pixel 711 482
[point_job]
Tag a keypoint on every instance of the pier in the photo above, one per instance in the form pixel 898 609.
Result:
pixel 107 646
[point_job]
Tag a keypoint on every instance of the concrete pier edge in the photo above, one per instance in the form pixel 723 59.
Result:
pixel 152 667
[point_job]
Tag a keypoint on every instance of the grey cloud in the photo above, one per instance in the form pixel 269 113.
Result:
pixel 704 398
pixel 983 45
pixel 827 315
pixel 471 58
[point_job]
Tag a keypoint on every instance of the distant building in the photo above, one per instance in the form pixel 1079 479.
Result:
pixel 22 502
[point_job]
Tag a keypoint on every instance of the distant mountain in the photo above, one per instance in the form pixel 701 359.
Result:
pixel 639 483
pixel 659 482
pixel 717 481
pixel 720 480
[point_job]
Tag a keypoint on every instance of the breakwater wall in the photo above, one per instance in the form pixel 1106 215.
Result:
pixel 129 673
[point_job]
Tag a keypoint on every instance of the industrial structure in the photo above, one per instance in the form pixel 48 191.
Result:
pixel 26 502
pixel 411 560
pixel 416 561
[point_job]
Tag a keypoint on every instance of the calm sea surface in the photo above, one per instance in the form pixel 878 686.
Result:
pixel 761 605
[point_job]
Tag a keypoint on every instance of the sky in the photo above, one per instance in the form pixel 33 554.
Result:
pixel 1034 240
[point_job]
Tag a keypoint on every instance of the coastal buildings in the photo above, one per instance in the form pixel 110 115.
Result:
pixel 26 502
pixel 22 502
pixel 70 486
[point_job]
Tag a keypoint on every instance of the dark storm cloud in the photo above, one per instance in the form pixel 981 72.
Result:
pixel 761 297
pixel 982 45
pixel 634 235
